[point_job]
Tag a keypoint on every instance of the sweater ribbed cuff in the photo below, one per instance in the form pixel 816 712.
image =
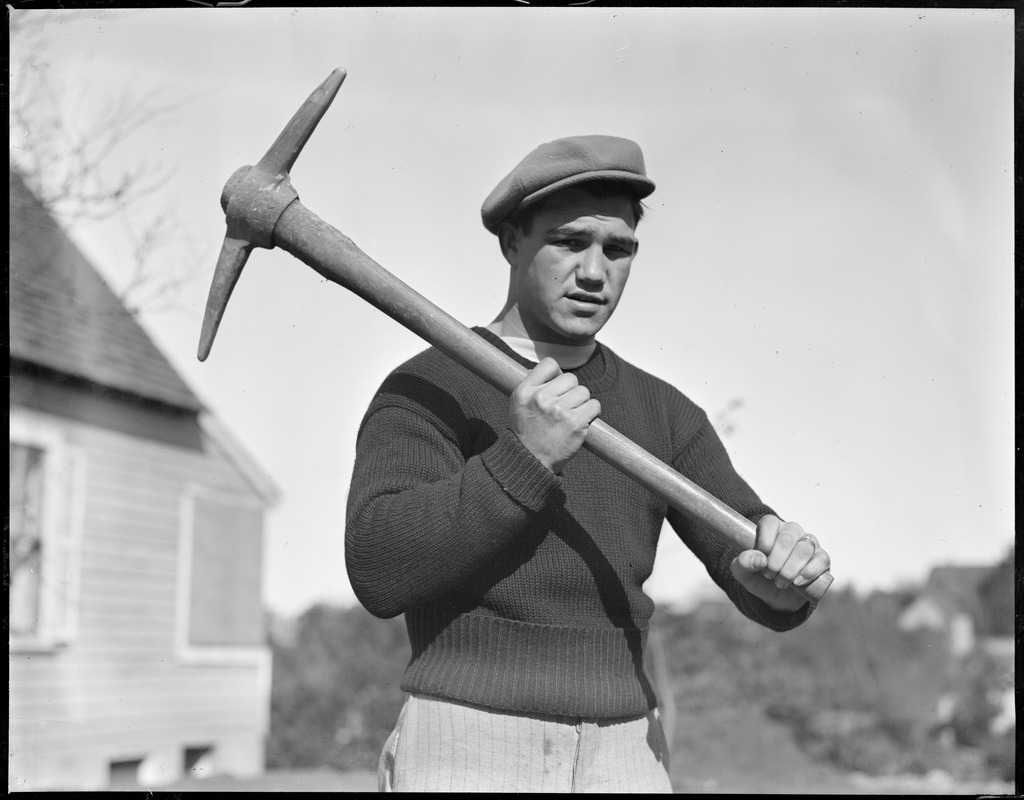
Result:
pixel 518 472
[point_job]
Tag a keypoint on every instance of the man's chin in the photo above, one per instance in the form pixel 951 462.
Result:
pixel 581 332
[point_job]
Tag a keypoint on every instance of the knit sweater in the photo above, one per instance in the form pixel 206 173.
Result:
pixel 522 590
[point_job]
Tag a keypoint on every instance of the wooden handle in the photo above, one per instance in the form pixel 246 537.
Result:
pixel 339 260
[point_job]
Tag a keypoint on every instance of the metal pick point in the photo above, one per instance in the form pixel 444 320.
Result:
pixel 271 170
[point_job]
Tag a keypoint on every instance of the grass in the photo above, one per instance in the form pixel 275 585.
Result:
pixel 730 751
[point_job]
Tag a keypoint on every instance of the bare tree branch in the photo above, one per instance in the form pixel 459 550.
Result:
pixel 65 143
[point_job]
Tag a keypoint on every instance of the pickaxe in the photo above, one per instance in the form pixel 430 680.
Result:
pixel 263 210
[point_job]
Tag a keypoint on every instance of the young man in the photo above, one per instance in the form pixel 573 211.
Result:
pixel 517 557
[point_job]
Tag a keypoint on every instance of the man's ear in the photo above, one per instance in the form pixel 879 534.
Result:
pixel 508 240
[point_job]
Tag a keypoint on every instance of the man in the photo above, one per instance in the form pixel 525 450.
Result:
pixel 517 558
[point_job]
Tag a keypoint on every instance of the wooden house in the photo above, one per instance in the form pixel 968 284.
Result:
pixel 137 647
pixel 949 603
pixel 974 607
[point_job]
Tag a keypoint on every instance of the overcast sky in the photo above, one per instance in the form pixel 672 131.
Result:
pixel 826 266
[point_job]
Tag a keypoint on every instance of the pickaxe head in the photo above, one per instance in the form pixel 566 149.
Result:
pixel 254 199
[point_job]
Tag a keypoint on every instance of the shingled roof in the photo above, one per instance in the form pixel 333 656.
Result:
pixel 64 316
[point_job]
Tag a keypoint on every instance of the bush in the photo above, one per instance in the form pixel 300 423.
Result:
pixel 1001 756
pixel 852 688
pixel 335 694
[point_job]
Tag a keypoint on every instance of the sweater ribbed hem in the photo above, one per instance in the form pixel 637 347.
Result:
pixel 588 673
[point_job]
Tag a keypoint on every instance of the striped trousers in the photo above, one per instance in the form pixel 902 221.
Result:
pixel 445 746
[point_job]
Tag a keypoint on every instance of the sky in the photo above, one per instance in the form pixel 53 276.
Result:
pixel 826 266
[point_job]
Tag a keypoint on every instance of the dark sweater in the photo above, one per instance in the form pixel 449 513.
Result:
pixel 522 590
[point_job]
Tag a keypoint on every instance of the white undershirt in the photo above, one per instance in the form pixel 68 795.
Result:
pixel 511 331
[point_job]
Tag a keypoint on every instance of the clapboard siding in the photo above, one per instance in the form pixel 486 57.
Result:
pixel 152 579
pixel 144 734
pixel 96 633
pixel 100 708
pixel 160 463
pixel 240 683
pixel 101 540
pixel 103 475
pixel 138 656
pixel 146 527
pixel 165 518
pixel 126 636
pixel 98 528
pixel 104 710
pixel 96 596
pixel 163 515
pixel 99 614
pixel 116 494
pixel 114 741
pixel 159 675
pixel 99 555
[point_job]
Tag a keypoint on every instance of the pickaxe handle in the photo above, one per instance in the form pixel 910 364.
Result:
pixel 333 255
pixel 338 259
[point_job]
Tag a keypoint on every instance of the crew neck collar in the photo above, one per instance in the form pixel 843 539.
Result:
pixel 510 329
pixel 597 373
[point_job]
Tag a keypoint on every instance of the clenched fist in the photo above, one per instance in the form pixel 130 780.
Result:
pixel 550 413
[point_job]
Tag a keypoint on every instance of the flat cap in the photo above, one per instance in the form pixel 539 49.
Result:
pixel 562 163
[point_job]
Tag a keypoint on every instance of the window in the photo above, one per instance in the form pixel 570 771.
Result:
pixel 26 538
pixel 42 534
pixel 220 602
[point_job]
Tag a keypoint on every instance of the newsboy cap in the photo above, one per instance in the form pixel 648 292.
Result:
pixel 562 163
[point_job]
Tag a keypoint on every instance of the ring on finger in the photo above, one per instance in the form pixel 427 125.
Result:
pixel 808 538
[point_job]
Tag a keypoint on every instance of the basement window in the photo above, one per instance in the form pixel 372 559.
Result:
pixel 199 761
pixel 124 775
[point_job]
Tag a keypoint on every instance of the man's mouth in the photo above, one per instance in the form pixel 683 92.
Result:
pixel 581 297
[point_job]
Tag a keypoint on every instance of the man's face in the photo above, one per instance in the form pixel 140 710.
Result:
pixel 569 271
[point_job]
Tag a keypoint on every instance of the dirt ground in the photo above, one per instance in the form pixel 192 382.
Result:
pixel 330 781
pixel 292 780
pixel 726 752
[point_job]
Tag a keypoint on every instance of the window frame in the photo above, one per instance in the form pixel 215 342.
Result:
pixel 186 651
pixel 61 531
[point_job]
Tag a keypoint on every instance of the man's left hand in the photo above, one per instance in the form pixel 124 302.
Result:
pixel 784 556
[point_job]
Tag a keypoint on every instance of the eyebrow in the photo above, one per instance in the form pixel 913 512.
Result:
pixel 582 230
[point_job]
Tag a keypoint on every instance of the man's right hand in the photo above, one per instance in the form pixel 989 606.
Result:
pixel 550 413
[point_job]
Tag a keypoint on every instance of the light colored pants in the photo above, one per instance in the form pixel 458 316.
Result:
pixel 444 746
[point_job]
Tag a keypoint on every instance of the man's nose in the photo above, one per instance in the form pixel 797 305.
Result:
pixel 591 267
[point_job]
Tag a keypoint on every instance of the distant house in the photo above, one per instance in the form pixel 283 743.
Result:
pixel 137 647
pixel 974 607
pixel 997 601
pixel 949 603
